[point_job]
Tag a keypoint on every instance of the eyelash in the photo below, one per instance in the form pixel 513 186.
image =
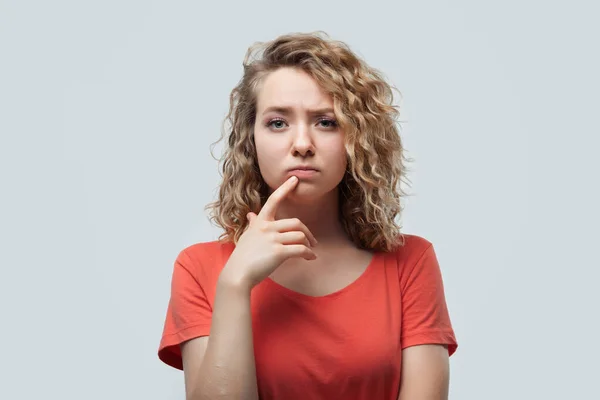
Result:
pixel 329 120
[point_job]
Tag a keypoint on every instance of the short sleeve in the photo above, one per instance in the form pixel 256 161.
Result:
pixel 425 317
pixel 188 313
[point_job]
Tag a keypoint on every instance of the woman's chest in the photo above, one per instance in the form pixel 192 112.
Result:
pixel 329 274
pixel 343 343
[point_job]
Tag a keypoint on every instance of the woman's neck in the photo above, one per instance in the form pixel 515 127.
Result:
pixel 320 216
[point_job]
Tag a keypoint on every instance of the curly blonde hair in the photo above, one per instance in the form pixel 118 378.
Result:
pixel 370 191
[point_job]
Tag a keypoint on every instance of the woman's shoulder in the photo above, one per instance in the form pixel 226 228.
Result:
pixel 412 248
pixel 411 243
pixel 209 249
pixel 205 260
pixel 416 258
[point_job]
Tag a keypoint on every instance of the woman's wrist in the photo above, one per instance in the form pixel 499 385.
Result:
pixel 232 281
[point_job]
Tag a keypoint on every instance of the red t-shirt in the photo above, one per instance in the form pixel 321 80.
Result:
pixel 345 345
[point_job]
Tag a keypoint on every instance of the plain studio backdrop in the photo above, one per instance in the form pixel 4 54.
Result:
pixel 107 113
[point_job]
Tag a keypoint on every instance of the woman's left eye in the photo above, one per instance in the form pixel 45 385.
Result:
pixel 329 123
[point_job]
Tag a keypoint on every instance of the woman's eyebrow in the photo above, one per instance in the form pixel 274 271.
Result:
pixel 289 110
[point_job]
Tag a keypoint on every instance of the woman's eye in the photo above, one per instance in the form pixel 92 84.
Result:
pixel 276 123
pixel 280 124
pixel 328 123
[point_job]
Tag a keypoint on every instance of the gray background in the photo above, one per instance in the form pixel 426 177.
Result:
pixel 107 112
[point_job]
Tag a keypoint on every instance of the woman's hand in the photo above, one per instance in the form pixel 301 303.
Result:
pixel 267 242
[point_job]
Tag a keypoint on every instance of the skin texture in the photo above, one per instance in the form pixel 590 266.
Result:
pixel 301 136
pixel 281 243
pixel 303 132
pixel 425 373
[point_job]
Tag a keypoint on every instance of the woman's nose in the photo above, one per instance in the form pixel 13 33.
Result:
pixel 302 140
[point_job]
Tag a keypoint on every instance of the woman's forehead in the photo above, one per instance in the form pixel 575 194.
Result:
pixel 292 89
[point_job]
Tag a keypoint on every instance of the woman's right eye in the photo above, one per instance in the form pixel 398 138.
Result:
pixel 276 123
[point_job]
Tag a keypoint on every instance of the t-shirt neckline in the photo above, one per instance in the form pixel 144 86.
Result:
pixel 348 288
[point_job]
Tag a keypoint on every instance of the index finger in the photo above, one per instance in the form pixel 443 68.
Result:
pixel 270 208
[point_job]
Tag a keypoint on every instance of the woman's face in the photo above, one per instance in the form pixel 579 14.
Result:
pixel 296 129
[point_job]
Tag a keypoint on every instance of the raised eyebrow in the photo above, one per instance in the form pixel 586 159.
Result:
pixel 289 111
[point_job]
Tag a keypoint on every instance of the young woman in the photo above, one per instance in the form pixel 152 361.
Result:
pixel 311 292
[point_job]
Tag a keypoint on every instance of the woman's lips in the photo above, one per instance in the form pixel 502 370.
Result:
pixel 303 173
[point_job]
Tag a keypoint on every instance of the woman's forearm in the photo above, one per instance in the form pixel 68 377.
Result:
pixel 228 370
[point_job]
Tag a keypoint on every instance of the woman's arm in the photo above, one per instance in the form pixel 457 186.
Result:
pixel 425 373
pixel 227 369
pixel 222 365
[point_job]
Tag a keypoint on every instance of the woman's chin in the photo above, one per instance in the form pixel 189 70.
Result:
pixel 305 193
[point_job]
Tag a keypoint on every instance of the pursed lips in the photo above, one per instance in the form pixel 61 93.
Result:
pixel 303 172
pixel 303 168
